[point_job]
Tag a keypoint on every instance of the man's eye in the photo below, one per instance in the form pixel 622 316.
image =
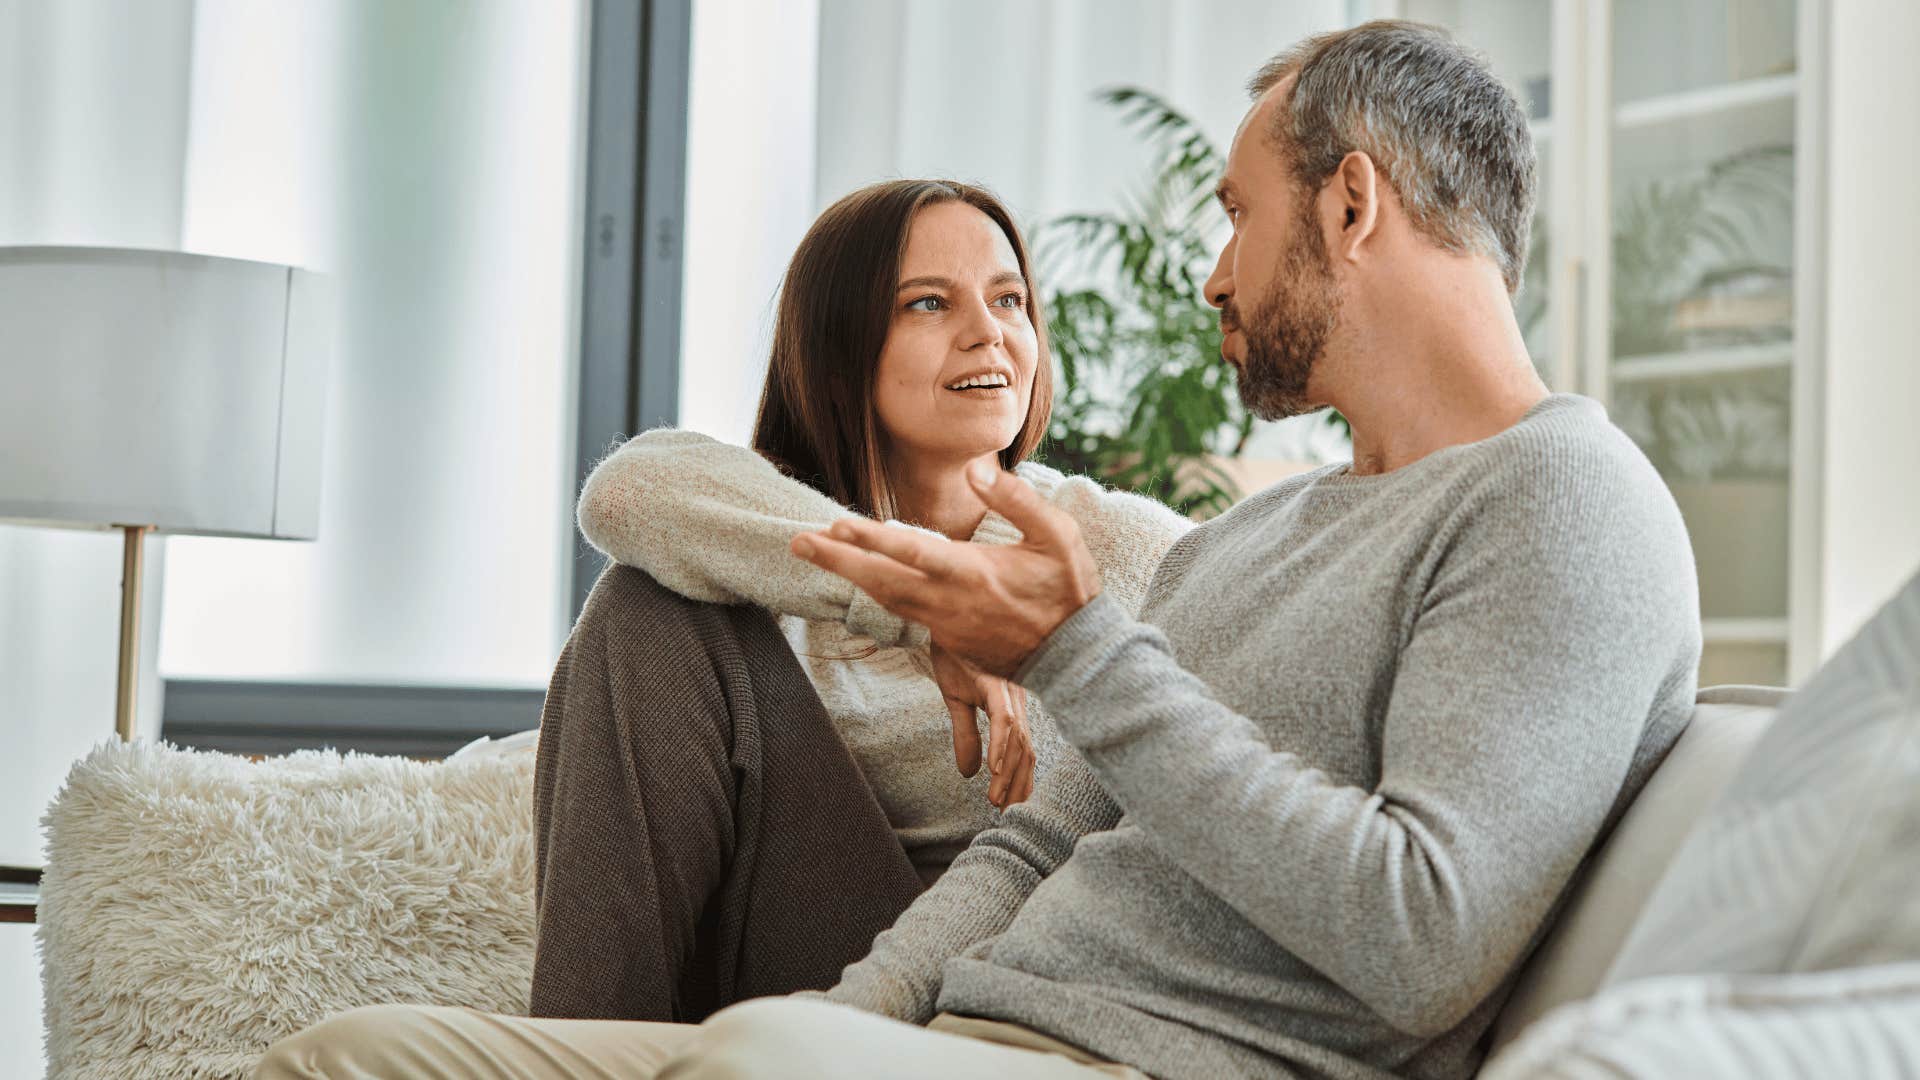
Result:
pixel 932 302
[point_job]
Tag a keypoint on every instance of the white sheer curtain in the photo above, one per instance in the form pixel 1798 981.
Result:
pixel 750 164
pixel 1001 91
pixel 428 157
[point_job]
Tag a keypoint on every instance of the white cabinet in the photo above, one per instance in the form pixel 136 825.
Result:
pixel 1672 264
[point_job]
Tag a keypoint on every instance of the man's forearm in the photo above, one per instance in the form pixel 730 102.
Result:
pixel 978 896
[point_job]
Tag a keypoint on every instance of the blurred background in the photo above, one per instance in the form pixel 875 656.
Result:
pixel 552 223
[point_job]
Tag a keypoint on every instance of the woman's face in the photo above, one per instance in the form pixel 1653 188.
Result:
pixel 956 372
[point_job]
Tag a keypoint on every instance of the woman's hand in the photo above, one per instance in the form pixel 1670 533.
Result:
pixel 1009 742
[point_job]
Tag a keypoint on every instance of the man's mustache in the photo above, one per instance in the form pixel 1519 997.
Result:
pixel 1229 318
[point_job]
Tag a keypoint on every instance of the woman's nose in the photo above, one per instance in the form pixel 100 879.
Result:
pixel 980 327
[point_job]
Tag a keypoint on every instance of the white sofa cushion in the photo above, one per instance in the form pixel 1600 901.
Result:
pixel 198 906
pixel 1573 958
pixel 1858 1023
pixel 1808 860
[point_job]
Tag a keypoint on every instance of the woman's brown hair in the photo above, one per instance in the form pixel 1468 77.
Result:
pixel 817 420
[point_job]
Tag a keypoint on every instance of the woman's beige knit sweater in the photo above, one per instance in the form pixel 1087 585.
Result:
pixel 712 521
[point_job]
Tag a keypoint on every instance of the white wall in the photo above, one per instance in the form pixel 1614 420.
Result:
pixel 750 198
pixel 93 106
pixel 1871 472
pixel 428 158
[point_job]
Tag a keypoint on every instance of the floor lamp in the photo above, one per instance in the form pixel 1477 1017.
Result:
pixel 148 391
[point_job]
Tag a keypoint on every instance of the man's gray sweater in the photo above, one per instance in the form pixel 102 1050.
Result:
pixel 1335 779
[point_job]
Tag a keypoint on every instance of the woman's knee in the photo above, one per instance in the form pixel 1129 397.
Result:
pixel 622 590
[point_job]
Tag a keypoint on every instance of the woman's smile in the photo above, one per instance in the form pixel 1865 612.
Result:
pixel 985 385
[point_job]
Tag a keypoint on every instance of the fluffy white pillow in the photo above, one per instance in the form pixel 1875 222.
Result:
pixel 197 906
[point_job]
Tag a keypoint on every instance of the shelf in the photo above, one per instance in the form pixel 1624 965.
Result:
pixel 1690 104
pixel 1705 101
pixel 1744 631
pixel 1694 363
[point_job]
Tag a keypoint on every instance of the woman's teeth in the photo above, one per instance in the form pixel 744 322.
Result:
pixel 977 382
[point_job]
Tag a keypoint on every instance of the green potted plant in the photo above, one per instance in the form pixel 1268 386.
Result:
pixel 1142 398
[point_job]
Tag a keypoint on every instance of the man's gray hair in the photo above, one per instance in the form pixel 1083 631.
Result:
pixel 1429 111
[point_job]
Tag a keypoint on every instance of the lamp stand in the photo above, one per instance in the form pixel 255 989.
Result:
pixel 130 567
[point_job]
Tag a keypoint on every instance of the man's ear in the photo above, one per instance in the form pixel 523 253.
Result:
pixel 1356 189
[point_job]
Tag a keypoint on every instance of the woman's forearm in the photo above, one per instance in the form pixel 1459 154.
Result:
pixel 712 522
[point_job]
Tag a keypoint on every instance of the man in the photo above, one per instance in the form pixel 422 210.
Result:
pixel 1332 783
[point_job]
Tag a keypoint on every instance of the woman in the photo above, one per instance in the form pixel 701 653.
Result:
pixel 744 767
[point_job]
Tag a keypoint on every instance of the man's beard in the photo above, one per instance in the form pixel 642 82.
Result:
pixel 1288 331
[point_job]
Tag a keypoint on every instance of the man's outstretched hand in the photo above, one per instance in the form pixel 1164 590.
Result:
pixel 991 605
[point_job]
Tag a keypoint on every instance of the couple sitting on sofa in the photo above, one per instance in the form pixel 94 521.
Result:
pixel 1297 789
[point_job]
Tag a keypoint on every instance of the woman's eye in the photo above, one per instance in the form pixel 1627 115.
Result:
pixel 1018 300
pixel 932 304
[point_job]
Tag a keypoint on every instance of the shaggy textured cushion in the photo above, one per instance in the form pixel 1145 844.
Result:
pixel 198 906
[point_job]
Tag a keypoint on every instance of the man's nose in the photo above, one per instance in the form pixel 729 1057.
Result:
pixel 1219 287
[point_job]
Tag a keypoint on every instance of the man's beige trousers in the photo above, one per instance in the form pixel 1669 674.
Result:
pixel 794 1038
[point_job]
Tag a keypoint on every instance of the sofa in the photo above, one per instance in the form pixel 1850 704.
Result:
pixel 1750 915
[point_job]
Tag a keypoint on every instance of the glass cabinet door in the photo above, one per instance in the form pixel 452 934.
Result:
pixel 1701 193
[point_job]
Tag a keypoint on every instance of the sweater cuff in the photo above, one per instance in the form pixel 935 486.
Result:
pixel 868 619
pixel 1073 645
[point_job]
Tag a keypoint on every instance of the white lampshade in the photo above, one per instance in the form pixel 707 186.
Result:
pixel 159 388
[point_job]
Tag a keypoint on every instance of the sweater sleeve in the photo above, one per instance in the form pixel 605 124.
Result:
pixel 978 896
pixel 712 522
pixel 1424 890
pixel 1127 534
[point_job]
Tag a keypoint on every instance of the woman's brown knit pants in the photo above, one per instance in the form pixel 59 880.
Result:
pixel 703 835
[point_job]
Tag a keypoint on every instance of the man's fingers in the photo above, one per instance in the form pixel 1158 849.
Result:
pixel 966 737
pixel 1015 500
pixel 922 552
pixel 888 581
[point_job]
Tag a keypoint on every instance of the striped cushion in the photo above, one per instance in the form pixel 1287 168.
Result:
pixel 1807 862
pixel 1861 1023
